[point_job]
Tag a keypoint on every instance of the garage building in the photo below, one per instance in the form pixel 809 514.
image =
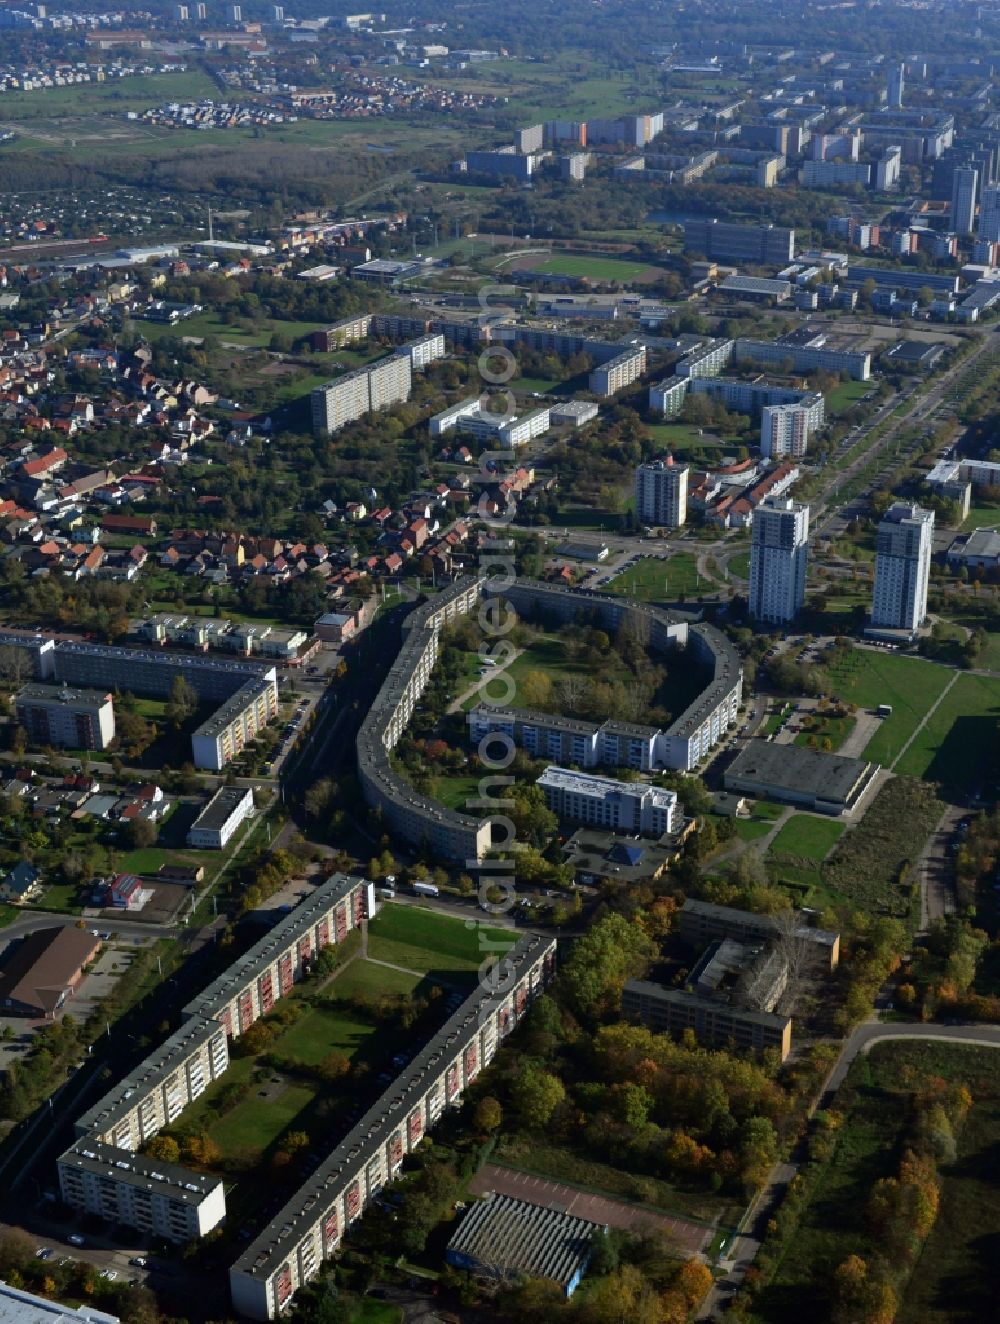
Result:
pixel 42 971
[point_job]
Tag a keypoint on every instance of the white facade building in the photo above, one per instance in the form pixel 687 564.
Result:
pixel 661 492
pixel 778 558
pixel 902 567
pixel 228 808
pixel 784 430
pixel 423 350
pixel 605 802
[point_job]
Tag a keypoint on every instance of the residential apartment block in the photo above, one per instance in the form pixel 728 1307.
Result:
pixel 764 245
pixel 159 1199
pixel 604 802
pixel 66 717
pixel 611 377
pixel 348 331
pixel 903 547
pixel 784 430
pixel 661 493
pixel 715 1023
pixel 778 556
pixel 425 349
pixel 806 358
pixel 365 390
pixel 182 1204
pixel 228 808
pixel 310 1227
pixel 707 360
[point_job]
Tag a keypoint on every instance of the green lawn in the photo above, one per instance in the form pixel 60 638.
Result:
pixel 456 792
pixel 590 268
pixel 868 678
pixel 981 517
pixel 834 729
pixel 7 914
pixel 379 1312
pixel 323 1030
pixel 365 977
pixel 777 719
pixel 251 1126
pixel 740 565
pixel 547 653
pixel 428 943
pixel 807 837
pixel 653 580
pixel 210 324
pixel 845 396
pixel 752 829
pixel 958 746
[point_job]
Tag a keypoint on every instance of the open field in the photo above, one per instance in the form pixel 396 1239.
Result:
pixel 955 1276
pixel 432 944
pixel 583 267
pixel 112 97
pixel 911 685
pixel 653 580
pixel 958 745
pixel 209 324
pixel 808 837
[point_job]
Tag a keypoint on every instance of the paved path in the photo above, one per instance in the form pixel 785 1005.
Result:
pixel 936 870
pixel 744 1249
pixel 456 705
pixel 689 1236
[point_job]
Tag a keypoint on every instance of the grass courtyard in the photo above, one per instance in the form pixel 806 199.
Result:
pixel 807 837
pixel 435 945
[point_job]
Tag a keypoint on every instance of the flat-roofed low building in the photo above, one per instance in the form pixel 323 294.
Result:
pixel 757 289
pixel 524 1240
pixel 573 412
pixel 979 550
pixel 701 922
pixel 17 1307
pixel 825 783
pixel 228 808
pixel 715 1023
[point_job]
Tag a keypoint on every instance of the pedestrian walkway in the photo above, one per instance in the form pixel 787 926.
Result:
pixel 925 719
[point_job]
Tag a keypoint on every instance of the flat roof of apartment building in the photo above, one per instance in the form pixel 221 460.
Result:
pixel 152 1175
